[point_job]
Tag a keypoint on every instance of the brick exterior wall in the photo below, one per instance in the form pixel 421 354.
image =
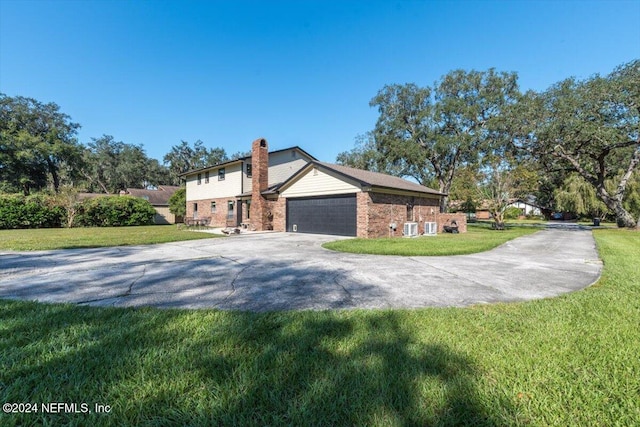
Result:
pixel 376 211
pixel 278 209
pixel 260 213
pixel 219 217
pixel 446 218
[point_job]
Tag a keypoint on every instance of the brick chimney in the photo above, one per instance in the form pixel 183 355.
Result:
pixel 260 175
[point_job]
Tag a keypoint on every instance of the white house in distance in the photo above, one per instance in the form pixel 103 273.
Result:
pixel 290 190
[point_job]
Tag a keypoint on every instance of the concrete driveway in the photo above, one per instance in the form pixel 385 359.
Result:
pixel 283 271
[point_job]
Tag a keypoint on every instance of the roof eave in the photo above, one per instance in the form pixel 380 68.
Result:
pixel 383 189
pixel 219 165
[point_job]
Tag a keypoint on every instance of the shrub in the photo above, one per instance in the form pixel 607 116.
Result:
pixel 35 211
pixel 115 211
pixel 512 213
pixel 178 202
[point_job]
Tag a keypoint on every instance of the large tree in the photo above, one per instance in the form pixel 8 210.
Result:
pixel 37 141
pixel 110 166
pixel 437 130
pixel 183 157
pixel 591 127
pixel 365 155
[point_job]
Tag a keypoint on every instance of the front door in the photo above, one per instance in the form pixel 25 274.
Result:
pixel 239 212
pixel 231 215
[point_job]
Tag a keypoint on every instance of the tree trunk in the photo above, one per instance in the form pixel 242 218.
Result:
pixel 444 187
pixel 498 217
pixel 53 170
pixel 444 204
pixel 623 217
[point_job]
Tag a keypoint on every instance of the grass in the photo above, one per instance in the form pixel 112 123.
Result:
pixel 69 238
pixel 566 361
pixel 478 238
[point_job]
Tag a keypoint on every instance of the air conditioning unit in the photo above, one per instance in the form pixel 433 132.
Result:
pixel 430 228
pixel 410 229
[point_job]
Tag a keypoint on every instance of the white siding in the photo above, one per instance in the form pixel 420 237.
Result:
pixel 318 183
pixel 282 165
pixel 231 186
pixel 527 208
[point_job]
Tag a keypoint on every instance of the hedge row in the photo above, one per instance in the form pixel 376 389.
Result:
pixel 37 211
pixel 43 211
pixel 115 211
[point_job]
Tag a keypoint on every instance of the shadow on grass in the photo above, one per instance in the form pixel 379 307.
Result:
pixel 231 368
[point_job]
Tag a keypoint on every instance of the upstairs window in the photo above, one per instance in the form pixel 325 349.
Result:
pixel 206 177
pixel 249 170
pixel 199 178
pixel 221 174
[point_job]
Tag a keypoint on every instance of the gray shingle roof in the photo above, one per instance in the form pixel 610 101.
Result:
pixel 376 179
pixel 159 197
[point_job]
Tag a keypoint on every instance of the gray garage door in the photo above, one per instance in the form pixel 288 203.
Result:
pixel 323 215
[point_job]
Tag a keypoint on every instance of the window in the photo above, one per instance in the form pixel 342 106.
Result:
pixel 195 210
pixel 230 209
pixel 213 207
pixel 409 212
pixel 249 170
pixel 221 174
pixel 199 178
pixel 206 177
pixel 248 203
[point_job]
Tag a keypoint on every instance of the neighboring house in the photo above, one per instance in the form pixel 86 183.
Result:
pixel 527 207
pixel 481 211
pixel 290 190
pixel 159 199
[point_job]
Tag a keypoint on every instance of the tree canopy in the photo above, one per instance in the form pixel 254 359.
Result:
pixel 477 126
pixel 37 144
pixel 590 127
pixel 39 150
pixel 433 131
pixel 184 157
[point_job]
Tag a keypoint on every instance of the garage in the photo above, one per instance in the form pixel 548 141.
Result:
pixel 323 215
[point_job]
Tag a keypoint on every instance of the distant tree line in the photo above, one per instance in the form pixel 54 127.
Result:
pixel 476 137
pixel 472 135
pixel 39 150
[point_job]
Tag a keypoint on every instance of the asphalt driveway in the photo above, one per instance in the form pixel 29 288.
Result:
pixel 285 271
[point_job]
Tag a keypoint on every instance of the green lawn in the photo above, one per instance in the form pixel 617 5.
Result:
pixel 478 238
pixel 68 238
pixel 567 361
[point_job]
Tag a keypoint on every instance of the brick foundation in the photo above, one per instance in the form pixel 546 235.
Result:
pixel 377 211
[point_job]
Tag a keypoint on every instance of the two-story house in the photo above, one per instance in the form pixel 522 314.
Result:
pixel 290 190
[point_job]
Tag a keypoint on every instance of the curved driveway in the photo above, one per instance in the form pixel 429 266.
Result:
pixel 282 271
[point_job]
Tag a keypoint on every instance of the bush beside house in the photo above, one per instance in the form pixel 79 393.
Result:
pixel 44 211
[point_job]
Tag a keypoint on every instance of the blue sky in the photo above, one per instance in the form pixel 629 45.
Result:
pixel 297 73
